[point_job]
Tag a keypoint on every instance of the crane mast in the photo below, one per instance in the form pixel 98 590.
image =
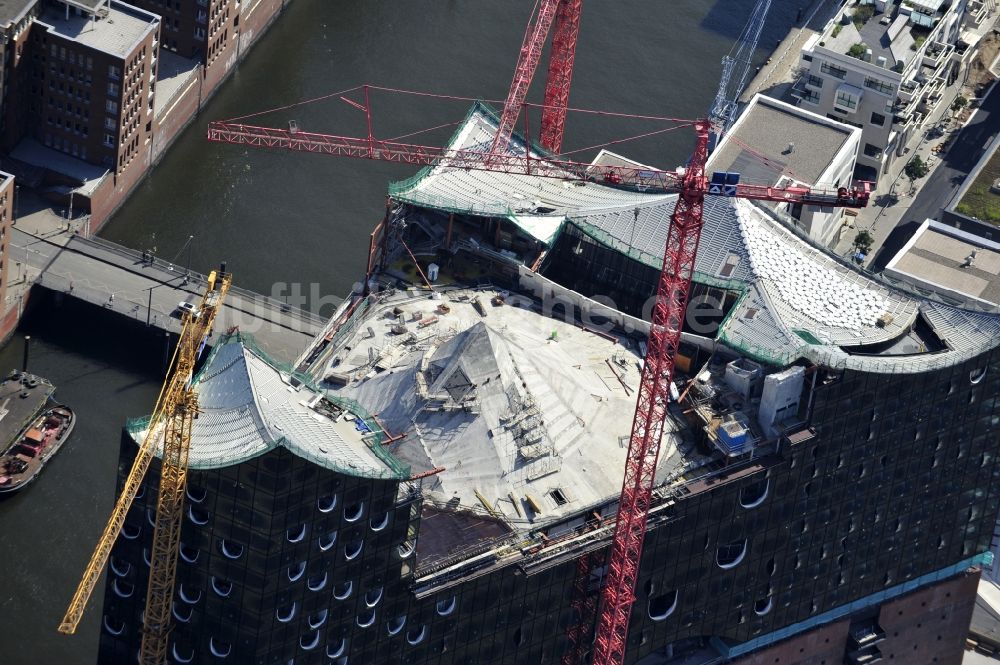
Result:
pixel 560 74
pixel 171 422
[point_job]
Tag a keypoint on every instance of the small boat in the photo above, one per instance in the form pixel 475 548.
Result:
pixel 37 443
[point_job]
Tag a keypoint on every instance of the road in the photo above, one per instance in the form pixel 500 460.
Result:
pixel 936 192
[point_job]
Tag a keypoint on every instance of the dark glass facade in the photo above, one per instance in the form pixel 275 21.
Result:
pixel 895 478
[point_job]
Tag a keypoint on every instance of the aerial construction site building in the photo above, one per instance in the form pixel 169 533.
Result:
pixel 419 487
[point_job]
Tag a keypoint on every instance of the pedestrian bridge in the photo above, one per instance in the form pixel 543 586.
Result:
pixel 128 283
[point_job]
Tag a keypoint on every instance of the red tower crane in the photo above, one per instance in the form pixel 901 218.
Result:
pixel 691 184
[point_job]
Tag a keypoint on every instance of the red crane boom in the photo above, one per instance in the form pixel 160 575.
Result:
pixel 560 74
pixel 527 63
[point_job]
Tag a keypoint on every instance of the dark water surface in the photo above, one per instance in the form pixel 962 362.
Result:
pixel 285 217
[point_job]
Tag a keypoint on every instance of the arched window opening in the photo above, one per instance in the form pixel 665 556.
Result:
pixel 231 550
pixel 197 515
pixel 394 626
pixel 131 532
pixel 337 650
pixel 405 550
pixel 120 568
pixel 327 541
pixel 114 627
pixel 729 556
pixel 379 524
pixel 196 494
pixel 296 572
pixel 309 641
pixel 182 613
pixel 977 375
pixel 219 648
pixel 352 550
pixel 296 533
pixel 352 513
pixel 343 590
pixel 287 613
pixel 373 596
pixel 188 554
pixel 753 495
pixel 415 635
pixel 317 582
pixel 326 503
pixel 660 607
pixel 366 619
pixel 763 605
pixel 188 596
pixel 122 588
pixel 222 587
pixel 318 619
pixel 447 606
pixel 179 658
pixel 145 556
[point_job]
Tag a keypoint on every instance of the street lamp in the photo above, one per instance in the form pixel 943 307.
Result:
pixel 187 268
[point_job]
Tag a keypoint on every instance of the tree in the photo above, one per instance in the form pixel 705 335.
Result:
pixel 858 50
pixel 916 169
pixel 960 103
pixel 864 241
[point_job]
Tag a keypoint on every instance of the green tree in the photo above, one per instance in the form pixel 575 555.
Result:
pixel 960 103
pixel 864 241
pixel 916 169
pixel 857 50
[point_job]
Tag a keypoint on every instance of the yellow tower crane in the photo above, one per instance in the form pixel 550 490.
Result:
pixel 169 432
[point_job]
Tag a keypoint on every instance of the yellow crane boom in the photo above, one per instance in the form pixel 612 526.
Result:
pixel 171 423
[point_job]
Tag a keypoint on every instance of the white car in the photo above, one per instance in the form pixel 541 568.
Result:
pixel 190 308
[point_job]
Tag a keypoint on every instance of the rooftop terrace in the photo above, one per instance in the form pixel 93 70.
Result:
pixel 115 29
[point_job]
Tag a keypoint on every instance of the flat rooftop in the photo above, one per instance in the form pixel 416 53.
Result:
pixel 10 10
pixel 791 141
pixel 887 35
pixel 116 31
pixel 950 261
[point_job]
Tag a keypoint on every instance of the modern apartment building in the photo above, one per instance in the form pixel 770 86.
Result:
pixel 882 67
pixel 826 489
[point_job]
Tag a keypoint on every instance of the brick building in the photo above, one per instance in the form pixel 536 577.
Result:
pixel 6 220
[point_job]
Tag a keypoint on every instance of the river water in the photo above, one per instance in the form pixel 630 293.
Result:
pixel 281 218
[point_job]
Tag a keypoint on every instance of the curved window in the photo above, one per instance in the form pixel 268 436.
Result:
pixel 113 628
pixel 179 658
pixel 296 572
pixel 151 516
pixel 131 532
pixel 318 619
pixel 219 648
pixel 446 607
pixel 352 550
pixel 145 556
pixel 316 582
pixel 120 568
pixel 373 596
pixel 396 625
pixel 309 641
pixel 977 375
pixel 336 651
pixel 179 612
pixel 231 550
pixel 366 619
pixel 729 556
pixel 196 494
pixel 661 607
pixel 287 613
pixel 763 606
pixel 342 591
pixel 753 495
pixel 416 635
pixel 326 503
pixel 295 534
pixel 352 513
pixel 187 596
pixel 327 541
pixel 197 515
pixel 378 525
pixel 188 554
pixel 222 587
pixel 141 492
pixel 405 550
pixel 122 588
